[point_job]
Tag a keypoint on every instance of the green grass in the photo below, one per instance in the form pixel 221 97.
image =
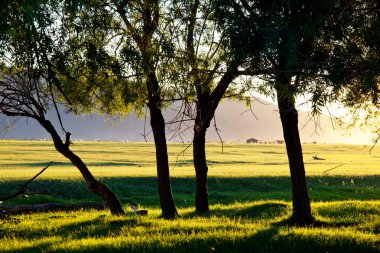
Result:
pixel 241 227
pixel 249 190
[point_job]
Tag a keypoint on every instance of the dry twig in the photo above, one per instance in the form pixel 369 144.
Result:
pixel 325 172
pixel 24 188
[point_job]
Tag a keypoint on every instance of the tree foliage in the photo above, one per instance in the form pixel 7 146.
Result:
pixel 30 81
pixel 356 78
pixel 114 57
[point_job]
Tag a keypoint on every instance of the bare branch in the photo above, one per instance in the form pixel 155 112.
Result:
pixel 24 188
pixel 217 132
pixel 56 109
pixel 145 134
pixel 325 172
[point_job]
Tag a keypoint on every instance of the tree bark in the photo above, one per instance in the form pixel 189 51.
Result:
pixel 157 123
pixel 289 118
pixel 200 165
pixel 206 107
pixel 94 185
pixel 150 16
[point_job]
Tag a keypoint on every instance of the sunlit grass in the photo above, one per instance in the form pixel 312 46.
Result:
pixel 138 159
pixel 240 227
pixel 242 173
pixel 249 191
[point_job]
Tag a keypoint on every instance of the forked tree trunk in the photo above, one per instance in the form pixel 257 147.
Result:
pixel 206 107
pixel 200 165
pixel 94 185
pixel 157 123
pixel 289 118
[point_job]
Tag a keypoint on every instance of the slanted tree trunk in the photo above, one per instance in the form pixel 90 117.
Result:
pixel 199 160
pixel 289 119
pixel 94 185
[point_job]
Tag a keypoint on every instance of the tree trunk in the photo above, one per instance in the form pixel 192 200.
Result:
pixel 94 186
pixel 200 165
pixel 206 107
pixel 164 189
pixel 289 118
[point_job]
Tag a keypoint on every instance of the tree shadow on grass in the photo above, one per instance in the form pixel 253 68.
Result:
pixel 275 232
pixel 255 211
pixel 94 228
pixel 208 243
pixel 276 238
pixel 222 190
pixel 97 228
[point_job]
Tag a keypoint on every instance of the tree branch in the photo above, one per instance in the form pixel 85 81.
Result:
pixel 132 30
pixel 24 188
pixel 217 132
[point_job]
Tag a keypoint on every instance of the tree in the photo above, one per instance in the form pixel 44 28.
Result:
pixel 29 78
pixel 159 62
pixel 208 70
pixel 297 38
pixel 130 35
pixel 357 84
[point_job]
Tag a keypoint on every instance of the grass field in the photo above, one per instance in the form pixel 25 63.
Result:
pixel 249 190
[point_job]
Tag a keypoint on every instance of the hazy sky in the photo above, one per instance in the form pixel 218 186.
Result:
pixel 235 122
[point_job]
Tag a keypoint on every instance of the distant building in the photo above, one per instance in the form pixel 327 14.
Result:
pixel 280 142
pixel 252 140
